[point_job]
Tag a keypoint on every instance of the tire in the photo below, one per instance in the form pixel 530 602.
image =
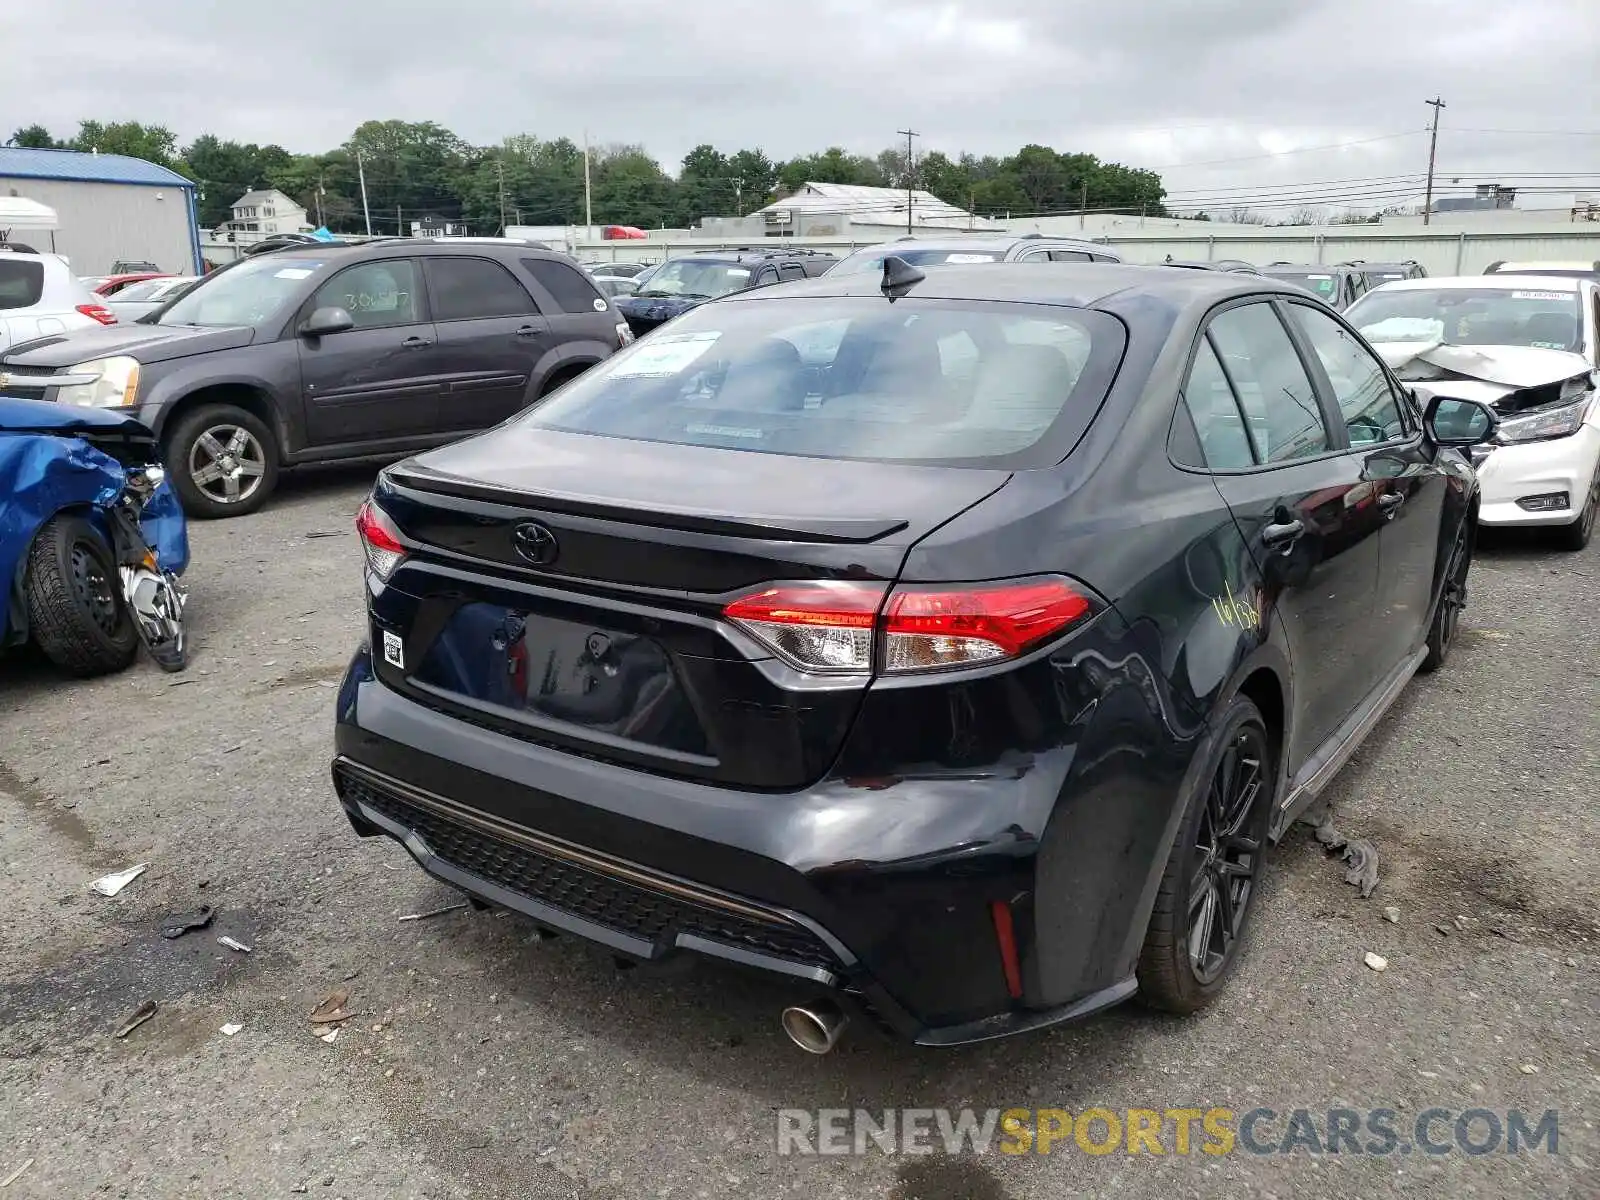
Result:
pixel 1576 535
pixel 76 614
pixel 1171 977
pixel 1453 598
pixel 223 461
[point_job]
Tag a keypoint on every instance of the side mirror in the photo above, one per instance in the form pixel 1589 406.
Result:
pixel 324 321
pixel 1452 421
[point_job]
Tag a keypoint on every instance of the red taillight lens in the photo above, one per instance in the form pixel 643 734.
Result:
pixel 928 628
pixel 380 539
pixel 824 626
pixel 98 312
pixel 836 625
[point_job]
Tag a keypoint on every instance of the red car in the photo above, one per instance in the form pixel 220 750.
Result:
pixel 110 285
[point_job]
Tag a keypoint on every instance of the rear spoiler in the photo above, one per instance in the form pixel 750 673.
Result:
pixel 415 477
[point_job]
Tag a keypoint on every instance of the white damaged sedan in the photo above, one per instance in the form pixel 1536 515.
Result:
pixel 1529 346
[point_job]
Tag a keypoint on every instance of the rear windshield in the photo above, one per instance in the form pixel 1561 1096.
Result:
pixel 917 256
pixel 1318 283
pixel 21 282
pixel 954 382
pixel 1549 320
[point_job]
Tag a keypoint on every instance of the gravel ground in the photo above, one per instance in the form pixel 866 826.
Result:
pixel 485 1062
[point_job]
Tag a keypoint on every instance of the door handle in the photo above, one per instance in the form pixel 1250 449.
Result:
pixel 415 343
pixel 528 331
pixel 1390 502
pixel 1283 533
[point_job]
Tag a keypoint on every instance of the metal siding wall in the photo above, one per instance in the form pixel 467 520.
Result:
pixel 104 222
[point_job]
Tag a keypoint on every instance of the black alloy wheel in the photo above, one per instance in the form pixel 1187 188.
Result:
pixel 1447 616
pixel 1214 869
pixel 1226 856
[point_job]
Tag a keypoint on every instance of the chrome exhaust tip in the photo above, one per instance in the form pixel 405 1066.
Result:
pixel 815 1028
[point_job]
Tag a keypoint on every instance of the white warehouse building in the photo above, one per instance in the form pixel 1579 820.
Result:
pixel 109 207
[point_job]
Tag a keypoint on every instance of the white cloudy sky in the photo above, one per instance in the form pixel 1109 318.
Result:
pixel 1224 97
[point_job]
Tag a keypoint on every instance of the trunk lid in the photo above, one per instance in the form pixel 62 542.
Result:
pixel 568 589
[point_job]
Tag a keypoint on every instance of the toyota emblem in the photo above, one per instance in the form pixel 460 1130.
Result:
pixel 535 543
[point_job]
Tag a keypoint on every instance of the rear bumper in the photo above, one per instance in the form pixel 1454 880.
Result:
pixel 1512 473
pixel 835 889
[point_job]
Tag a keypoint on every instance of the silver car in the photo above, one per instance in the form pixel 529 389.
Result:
pixel 141 299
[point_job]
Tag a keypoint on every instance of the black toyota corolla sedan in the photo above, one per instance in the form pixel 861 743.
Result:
pixel 953 644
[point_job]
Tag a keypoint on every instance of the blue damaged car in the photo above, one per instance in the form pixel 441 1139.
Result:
pixel 92 539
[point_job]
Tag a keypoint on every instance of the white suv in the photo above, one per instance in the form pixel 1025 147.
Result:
pixel 39 296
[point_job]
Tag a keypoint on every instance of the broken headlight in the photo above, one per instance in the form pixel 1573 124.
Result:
pixel 1556 421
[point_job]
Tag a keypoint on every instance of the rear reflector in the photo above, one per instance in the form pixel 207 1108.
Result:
pixel 624 335
pixel 98 312
pixel 837 626
pixel 1005 936
pixel 380 539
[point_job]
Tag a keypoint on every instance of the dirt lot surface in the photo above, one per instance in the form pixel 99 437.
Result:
pixel 485 1062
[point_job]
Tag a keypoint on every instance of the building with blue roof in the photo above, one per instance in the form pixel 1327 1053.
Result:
pixel 110 208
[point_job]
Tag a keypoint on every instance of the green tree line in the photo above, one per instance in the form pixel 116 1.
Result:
pixel 418 169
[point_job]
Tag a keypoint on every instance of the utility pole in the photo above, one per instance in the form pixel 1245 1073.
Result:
pixel 500 166
pixel 321 191
pixel 910 178
pixel 365 211
pixel 738 196
pixel 1083 210
pixel 1433 150
pixel 588 195
pixel 399 226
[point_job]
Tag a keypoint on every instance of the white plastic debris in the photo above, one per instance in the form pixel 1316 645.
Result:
pixel 230 1029
pixel 231 944
pixel 17 1174
pixel 1376 961
pixel 1529 1069
pixel 329 1036
pixel 437 912
pixel 1392 915
pixel 110 885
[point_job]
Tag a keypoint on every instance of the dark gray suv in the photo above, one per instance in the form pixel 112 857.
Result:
pixel 322 352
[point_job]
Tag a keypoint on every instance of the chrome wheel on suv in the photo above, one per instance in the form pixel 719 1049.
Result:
pixel 224 460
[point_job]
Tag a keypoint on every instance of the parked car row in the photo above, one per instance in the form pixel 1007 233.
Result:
pixel 702 600
pixel 315 351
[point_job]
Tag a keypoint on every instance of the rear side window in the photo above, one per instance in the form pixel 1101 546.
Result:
pixel 21 282
pixel 567 285
pixel 1070 256
pixel 1279 403
pixel 465 289
pixel 791 270
pixel 956 382
pixel 1218 423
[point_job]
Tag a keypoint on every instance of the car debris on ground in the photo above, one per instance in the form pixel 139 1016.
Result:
pixel 1376 961
pixel 181 923
pixel 136 1018
pixel 332 1009
pixel 230 1029
pixel 1360 854
pixel 17 1174
pixel 110 885
pixel 436 912
pixel 233 944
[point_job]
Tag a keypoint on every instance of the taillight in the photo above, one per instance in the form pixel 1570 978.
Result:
pixel 825 626
pixel 380 539
pixel 98 312
pixel 839 626
pixel 624 334
pixel 928 628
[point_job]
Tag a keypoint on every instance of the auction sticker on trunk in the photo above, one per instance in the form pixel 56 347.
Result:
pixel 1541 295
pixel 393 651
